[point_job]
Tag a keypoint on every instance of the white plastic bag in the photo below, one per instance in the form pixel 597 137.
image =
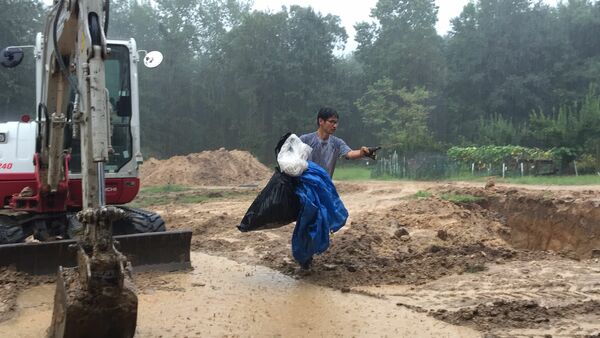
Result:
pixel 293 156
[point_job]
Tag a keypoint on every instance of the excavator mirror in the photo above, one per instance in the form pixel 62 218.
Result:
pixel 11 57
pixel 153 59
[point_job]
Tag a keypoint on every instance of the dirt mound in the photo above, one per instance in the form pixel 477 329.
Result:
pixel 215 167
pixel 416 241
pixel 515 314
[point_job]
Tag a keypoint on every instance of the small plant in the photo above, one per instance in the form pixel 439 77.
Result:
pixel 423 194
pixel 461 199
pixel 475 268
pixel 192 199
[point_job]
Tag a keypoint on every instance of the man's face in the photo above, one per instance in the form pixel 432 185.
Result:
pixel 330 125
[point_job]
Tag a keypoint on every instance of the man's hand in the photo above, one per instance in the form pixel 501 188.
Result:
pixel 364 151
pixel 369 151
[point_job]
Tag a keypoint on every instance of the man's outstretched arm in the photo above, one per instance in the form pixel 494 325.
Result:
pixel 358 153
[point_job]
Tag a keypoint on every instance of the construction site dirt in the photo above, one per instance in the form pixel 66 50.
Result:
pixel 415 259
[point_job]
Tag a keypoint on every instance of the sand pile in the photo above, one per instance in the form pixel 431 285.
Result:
pixel 216 167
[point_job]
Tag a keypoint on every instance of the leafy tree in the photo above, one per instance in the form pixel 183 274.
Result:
pixel 279 68
pixel 350 82
pixel 501 56
pixel 398 117
pixel 579 24
pixel 403 44
pixel 20 20
pixel 500 131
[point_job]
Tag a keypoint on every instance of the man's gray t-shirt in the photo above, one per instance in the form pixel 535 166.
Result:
pixel 325 153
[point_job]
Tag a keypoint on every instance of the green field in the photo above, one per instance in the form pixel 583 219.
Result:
pixel 358 173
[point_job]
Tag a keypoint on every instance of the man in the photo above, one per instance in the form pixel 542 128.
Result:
pixel 326 147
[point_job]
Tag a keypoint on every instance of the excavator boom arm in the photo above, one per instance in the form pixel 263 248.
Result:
pixel 75 50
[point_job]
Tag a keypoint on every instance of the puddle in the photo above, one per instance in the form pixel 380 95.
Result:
pixel 224 298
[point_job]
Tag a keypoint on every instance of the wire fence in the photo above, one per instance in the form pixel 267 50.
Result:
pixel 440 166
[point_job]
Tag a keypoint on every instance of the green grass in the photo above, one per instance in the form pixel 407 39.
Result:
pixel 164 188
pixel 423 194
pixel 351 174
pixel 465 178
pixel 419 194
pixel 461 199
pixel 192 199
pixel 554 180
pixel 146 200
pixel 180 194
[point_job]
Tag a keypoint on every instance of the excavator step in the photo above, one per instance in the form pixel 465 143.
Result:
pixel 164 251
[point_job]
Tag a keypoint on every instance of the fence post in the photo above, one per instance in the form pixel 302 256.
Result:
pixel 522 170
pixel 473 168
pixel 503 169
pixel 395 165
pixel 575 165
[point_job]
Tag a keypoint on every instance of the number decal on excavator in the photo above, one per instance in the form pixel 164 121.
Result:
pixel 6 166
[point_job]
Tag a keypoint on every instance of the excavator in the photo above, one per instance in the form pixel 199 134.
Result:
pixel 65 175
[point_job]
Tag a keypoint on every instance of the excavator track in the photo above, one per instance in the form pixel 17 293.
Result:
pixel 136 221
pixel 10 230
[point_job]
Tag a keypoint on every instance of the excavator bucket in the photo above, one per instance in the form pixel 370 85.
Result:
pixel 95 299
pixel 165 251
pixel 96 313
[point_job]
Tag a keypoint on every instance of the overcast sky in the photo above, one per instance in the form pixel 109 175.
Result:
pixel 351 12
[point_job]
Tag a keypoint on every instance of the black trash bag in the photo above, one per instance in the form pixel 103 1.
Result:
pixel 280 143
pixel 275 206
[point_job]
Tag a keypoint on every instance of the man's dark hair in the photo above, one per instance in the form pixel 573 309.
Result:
pixel 325 113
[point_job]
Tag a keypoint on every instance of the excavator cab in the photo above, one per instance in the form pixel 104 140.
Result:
pixel 124 125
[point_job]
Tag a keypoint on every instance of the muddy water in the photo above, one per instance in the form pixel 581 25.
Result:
pixel 224 298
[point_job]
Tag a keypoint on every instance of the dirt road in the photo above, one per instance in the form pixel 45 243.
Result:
pixel 514 262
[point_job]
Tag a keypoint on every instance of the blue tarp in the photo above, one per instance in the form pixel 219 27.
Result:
pixel 321 212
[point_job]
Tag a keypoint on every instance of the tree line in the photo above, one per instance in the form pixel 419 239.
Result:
pixel 516 72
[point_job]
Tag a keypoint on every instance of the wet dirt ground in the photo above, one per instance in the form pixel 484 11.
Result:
pixel 410 262
pixel 223 298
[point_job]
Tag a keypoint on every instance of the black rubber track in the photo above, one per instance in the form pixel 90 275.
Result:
pixel 138 221
pixel 10 231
